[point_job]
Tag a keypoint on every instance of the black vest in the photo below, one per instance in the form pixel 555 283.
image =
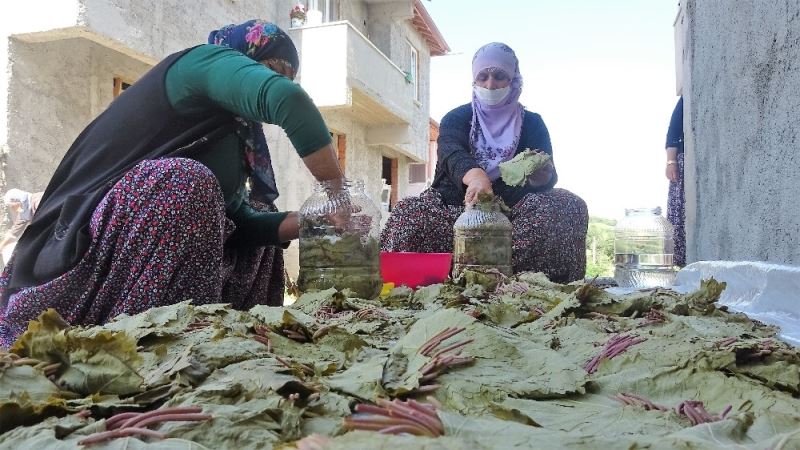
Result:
pixel 139 125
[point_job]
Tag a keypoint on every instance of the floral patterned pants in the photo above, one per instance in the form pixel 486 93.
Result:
pixel 549 231
pixel 158 238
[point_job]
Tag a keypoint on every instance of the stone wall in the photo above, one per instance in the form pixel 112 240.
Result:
pixel 742 126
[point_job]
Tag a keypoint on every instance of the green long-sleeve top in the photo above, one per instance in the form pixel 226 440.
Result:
pixel 209 77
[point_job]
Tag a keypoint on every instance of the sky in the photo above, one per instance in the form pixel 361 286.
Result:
pixel 600 73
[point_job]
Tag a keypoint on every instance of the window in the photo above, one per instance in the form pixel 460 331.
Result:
pixel 120 86
pixel 328 8
pixel 413 69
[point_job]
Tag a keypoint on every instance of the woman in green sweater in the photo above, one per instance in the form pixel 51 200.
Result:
pixel 168 195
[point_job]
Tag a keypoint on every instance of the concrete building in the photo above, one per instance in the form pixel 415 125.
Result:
pixel 365 63
pixel 740 77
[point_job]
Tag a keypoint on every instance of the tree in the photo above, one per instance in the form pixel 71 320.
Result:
pixel 600 247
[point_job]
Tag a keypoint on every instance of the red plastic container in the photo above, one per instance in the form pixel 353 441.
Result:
pixel 415 269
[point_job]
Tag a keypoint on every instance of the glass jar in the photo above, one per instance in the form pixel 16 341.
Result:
pixel 482 239
pixel 643 249
pixel 339 232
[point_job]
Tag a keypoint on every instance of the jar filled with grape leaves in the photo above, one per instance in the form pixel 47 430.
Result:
pixel 482 237
pixel 339 240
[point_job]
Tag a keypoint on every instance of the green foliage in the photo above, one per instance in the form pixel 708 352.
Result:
pixel 516 171
pixel 600 247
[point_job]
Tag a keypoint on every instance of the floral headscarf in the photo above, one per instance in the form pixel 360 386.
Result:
pixel 259 40
pixel 496 129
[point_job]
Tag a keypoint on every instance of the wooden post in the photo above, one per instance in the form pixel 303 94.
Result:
pixel 341 150
pixel 117 86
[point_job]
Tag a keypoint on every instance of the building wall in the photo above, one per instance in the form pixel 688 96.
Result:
pixel 379 23
pixel 355 11
pixel 391 31
pixel 325 67
pixel 420 125
pixel 161 27
pixel 56 89
pixel 742 105
pixel 25 17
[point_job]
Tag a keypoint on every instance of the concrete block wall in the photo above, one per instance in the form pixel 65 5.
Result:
pixel 25 17
pixel 161 27
pixel 49 103
pixel 742 126
pixel 356 12
pixel 56 88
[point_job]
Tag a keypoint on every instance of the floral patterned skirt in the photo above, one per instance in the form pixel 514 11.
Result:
pixel 549 231
pixel 676 214
pixel 158 238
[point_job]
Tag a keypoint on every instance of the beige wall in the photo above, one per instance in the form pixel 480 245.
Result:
pixel 161 27
pixel 56 88
pixel 28 16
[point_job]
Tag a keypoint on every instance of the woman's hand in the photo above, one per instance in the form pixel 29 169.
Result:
pixel 324 165
pixel 672 172
pixel 543 175
pixel 477 181
pixel 672 164
pixel 289 229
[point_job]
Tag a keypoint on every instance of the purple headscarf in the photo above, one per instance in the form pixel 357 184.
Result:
pixel 496 129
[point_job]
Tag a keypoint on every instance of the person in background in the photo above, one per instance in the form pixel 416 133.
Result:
pixel 22 206
pixel 549 224
pixel 674 171
pixel 168 195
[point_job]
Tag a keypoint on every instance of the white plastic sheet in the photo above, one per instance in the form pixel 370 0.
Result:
pixel 766 292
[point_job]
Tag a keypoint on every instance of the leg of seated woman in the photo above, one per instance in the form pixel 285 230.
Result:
pixel 420 224
pixel 157 239
pixel 675 214
pixel 549 235
pixel 255 275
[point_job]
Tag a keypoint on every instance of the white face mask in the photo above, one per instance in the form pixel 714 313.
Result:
pixel 491 97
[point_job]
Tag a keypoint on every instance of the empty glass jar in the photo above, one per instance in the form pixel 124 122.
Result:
pixel 482 239
pixel 339 240
pixel 643 249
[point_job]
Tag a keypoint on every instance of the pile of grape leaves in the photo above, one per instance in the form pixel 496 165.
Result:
pixel 539 365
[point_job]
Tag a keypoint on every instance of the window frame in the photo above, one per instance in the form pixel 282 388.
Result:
pixel 413 62
pixel 327 7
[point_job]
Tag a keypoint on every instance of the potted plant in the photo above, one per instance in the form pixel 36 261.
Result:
pixel 298 15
